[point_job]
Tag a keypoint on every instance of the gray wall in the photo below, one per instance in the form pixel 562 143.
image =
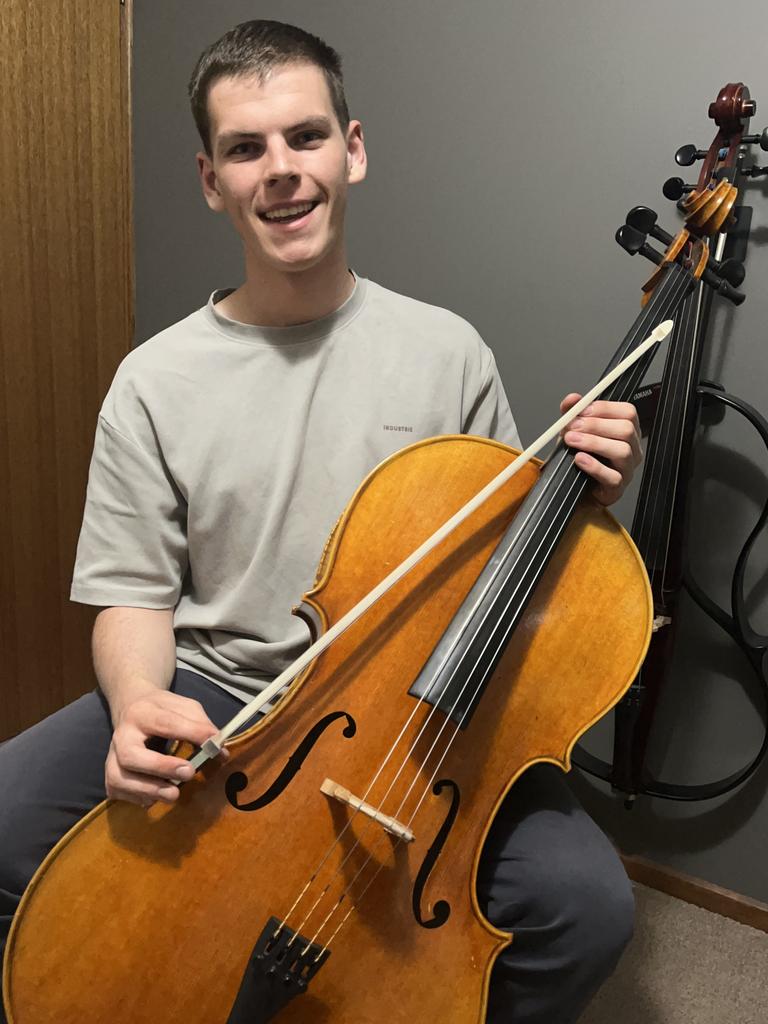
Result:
pixel 506 143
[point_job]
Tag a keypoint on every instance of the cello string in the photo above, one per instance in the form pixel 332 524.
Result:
pixel 666 495
pixel 644 512
pixel 663 549
pixel 658 454
pixel 492 608
pixel 677 371
pixel 671 438
pixel 553 540
pixel 628 345
pixel 675 359
pixel 427 788
pixel 694 363
pixel 692 308
pixel 621 362
pixel 660 526
pixel 638 329
pixel 664 455
pixel 657 467
pixel 428 754
pixel 500 646
pixel 573 485
pixel 549 496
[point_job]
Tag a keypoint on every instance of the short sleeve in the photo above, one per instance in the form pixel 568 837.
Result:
pixel 489 414
pixel 132 549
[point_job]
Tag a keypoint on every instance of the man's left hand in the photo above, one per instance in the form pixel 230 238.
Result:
pixel 610 431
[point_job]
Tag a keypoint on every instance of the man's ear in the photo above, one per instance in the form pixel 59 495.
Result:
pixel 357 160
pixel 209 182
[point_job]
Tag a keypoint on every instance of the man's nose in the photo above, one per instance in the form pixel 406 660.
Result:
pixel 282 163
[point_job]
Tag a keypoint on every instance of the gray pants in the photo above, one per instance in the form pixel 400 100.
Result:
pixel 547 872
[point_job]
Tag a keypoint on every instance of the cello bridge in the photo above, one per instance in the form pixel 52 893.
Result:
pixel 389 824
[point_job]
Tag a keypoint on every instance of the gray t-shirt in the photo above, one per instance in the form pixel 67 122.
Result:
pixel 225 453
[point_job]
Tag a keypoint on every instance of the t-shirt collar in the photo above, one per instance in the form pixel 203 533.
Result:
pixel 295 335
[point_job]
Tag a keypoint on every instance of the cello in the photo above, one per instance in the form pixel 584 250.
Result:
pixel 684 401
pixel 339 844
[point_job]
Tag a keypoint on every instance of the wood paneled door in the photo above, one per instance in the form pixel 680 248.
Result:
pixel 66 315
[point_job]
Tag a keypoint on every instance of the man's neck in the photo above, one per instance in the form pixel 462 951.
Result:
pixel 283 300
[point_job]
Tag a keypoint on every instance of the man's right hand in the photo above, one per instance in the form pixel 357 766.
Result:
pixel 142 776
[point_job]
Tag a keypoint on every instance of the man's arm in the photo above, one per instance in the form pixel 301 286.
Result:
pixel 134 654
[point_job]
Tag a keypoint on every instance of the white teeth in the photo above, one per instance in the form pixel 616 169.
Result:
pixel 289 211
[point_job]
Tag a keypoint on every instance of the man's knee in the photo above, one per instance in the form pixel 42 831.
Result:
pixel 555 881
pixel 52 774
pixel 562 893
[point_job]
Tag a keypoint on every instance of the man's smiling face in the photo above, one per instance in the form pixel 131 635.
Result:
pixel 280 165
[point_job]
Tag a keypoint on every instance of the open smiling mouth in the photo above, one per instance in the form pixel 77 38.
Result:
pixel 289 213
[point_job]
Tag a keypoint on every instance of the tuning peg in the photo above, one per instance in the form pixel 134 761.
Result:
pixel 633 241
pixel 641 222
pixel 723 287
pixel 762 139
pixel 754 171
pixel 687 155
pixel 643 219
pixel 675 188
pixel 730 270
pixel 630 239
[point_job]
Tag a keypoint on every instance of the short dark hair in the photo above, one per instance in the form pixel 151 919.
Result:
pixel 255 48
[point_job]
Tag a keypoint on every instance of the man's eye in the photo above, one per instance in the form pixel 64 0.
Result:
pixel 307 138
pixel 243 149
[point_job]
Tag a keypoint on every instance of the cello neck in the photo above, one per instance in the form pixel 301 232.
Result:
pixel 461 665
pixel 658 521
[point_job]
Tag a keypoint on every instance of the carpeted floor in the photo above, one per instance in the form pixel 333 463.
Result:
pixel 685 966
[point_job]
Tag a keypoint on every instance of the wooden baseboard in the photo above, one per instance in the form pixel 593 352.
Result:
pixel 697 891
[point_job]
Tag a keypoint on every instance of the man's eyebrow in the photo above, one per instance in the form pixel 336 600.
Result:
pixel 320 123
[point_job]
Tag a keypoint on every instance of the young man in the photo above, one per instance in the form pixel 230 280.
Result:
pixel 225 451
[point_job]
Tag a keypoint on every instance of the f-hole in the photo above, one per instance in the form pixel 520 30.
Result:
pixel 442 909
pixel 238 781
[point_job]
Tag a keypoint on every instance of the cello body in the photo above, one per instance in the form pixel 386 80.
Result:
pixel 144 916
